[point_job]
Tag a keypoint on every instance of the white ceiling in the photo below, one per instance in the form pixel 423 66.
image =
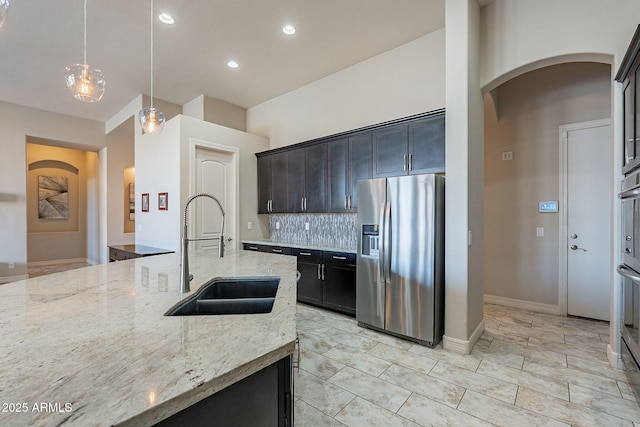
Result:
pixel 41 37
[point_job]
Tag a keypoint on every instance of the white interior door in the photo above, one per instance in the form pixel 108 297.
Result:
pixel 215 175
pixel 589 198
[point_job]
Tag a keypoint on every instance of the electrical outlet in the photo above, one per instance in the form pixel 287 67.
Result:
pixel 277 225
pixel 540 231
pixel 470 238
pixel 507 155
pixel 249 225
pixel 306 226
pixel 12 265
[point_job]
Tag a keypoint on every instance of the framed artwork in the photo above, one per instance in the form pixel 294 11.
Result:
pixel 132 202
pixel 145 202
pixel 163 201
pixel 53 197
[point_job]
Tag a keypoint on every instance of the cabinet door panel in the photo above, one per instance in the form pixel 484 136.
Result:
pixel 390 150
pixel 360 164
pixel 315 178
pixel 279 182
pixel 295 180
pixel 264 183
pixel 340 287
pixel 337 152
pixel 629 146
pixel 426 145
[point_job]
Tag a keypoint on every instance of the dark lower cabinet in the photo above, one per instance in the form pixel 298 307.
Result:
pixel 261 400
pixel 327 278
pixel 339 274
pixel 310 282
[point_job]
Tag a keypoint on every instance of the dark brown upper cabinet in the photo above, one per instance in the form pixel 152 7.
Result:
pixel 350 159
pixel 322 175
pixel 410 148
pixel 629 77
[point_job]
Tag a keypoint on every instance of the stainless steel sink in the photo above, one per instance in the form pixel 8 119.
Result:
pixel 230 295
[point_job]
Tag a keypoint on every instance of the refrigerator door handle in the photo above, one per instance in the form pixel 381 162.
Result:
pixel 386 243
pixel 382 276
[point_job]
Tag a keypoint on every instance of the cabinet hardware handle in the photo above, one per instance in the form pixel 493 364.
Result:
pixel 276 250
pixel 305 253
pixel 345 202
pixel 305 204
pixel 410 162
pixel 404 163
pixel 302 204
pixel 322 271
pixel 255 248
pixel 319 278
pixel 339 257
pixel 350 206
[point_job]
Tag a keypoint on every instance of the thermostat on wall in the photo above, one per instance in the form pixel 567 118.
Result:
pixel 551 206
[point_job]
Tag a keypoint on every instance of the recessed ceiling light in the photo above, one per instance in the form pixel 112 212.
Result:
pixel 233 64
pixel 165 18
pixel 289 30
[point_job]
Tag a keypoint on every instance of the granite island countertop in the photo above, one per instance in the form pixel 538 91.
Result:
pixel 92 346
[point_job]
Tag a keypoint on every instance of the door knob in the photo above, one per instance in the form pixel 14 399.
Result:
pixel 574 236
pixel 575 248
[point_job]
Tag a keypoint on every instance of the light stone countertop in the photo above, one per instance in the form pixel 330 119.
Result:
pixel 299 245
pixel 92 346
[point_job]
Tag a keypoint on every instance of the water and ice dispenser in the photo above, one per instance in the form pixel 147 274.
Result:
pixel 370 241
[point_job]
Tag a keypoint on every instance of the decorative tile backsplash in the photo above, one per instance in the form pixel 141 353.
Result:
pixel 326 230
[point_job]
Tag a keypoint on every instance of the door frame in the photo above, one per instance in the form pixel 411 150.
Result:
pixel 563 280
pixel 194 144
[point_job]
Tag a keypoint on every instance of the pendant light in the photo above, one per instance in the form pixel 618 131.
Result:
pixel 85 82
pixel 151 119
pixel 4 11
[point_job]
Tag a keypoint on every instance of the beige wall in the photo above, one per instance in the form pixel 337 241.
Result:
pixel 58 239
pixel 18 123
pixel 530 109
pixel 407 80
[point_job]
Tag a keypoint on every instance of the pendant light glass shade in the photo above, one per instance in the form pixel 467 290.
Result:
pixel 4 11
pixel 85 82
pixel 151 119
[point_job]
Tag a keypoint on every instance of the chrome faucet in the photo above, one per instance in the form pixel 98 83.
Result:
pixel 184 267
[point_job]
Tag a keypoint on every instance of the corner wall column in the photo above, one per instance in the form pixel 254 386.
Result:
pixel 464 217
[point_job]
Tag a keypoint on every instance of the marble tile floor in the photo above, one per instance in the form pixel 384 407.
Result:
pixel 41 270
pixel 528 369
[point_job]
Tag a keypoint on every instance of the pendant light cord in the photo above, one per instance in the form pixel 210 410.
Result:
pixel 151 53
pixel 85 32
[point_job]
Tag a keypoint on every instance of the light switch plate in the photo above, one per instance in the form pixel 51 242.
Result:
pixel 540 231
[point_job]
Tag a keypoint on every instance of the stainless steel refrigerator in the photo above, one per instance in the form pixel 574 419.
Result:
pixel 400 264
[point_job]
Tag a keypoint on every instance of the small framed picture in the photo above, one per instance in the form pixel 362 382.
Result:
pixel 145 202
pixel 163 201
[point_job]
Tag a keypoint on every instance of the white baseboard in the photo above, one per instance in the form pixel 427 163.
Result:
pixel 615 359
pixel 9 279
pixel 524 305
pixel 463 346
pixel 59 261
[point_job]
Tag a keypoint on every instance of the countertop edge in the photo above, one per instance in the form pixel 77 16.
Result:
pixel 202 391
pixel 299 245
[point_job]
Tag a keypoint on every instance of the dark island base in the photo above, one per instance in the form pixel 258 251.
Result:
pixel 261 400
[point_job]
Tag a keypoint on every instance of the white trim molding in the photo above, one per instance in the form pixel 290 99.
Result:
pixel 463 346
pixel 538 307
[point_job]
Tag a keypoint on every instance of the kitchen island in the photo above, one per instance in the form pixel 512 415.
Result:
pixel 92 346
